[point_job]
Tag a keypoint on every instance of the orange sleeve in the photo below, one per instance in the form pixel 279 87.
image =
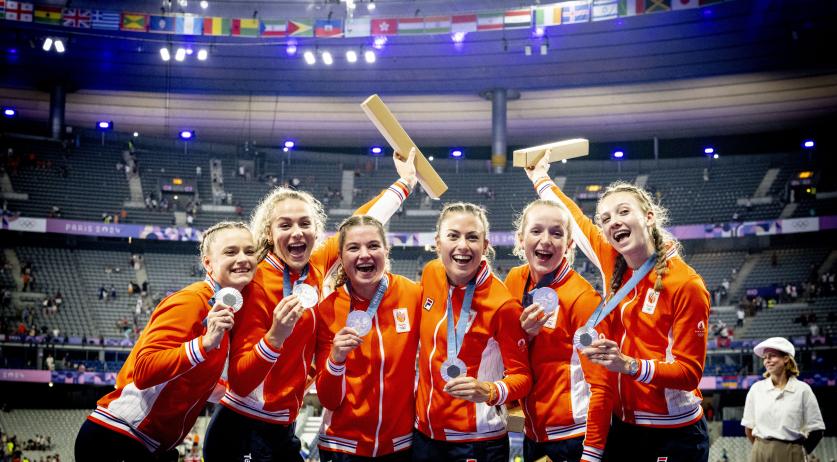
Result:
pixel 331 378
pixel 602 382
pixel 515 352
pixel 691 307
pixel 251 356
pixel 169 347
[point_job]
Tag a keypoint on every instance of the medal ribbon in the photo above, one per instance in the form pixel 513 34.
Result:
pixel 215 288
pixel 457 334
pixel 559 273
pixel 604 309
pixel 287 287
pixel 376 299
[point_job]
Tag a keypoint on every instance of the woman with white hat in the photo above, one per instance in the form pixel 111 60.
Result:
pixel 781 416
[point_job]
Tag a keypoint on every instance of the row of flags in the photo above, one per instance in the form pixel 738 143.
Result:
pixel 568 12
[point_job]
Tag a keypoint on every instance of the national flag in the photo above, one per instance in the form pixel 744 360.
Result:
pixel 135 22
pixel 18 11
pixel 575 12
pixel 161 24
pixel 274 28
pixel 76 17
pixel 2 9
pixel 490 21
pixel 358 27
pixel 548 16
pixel 217 26
pixel 702 2
pixel 605 9
pixel 104 19
pixel 245 27
pixel 463 23
pixel 189 25
pixel 384 26
pixel 517 18
pixel 684 4
pixel 655 6
pixel 410 26
pixel 328 28
pixel 437 25
pixel 300 28
pixel 48 15
pixel 631 7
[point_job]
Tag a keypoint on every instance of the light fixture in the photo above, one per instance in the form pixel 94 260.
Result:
pixel 808 144
pixel 164 54
pixel 370 6
pixel 456 153
pixel 204 4
pixel 187 134
pixel 183 3
pixel 527 50
pixel 709 150
pixel 369 56
pixel 539 31
pixel 189 51
pixel 289 144
pixel 285 149
pixel 310 59
pixel 136 134
pixel 458 37
pixel 379 42
pixel 180 54
pixel 104 125
pixel 351 56
pixel 618 154
pixel 9 112
pixel 376 150
pixel 59 45
pixel 291 48
pixel 202 54
pixel 47 44
pixel 715 156
pixel 328 60
pixel 430 158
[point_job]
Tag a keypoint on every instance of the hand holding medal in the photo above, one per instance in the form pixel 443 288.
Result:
pixel 345 341
pixel 285 316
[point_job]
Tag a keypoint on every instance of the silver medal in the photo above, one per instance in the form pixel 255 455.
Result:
pixel 231 297
pixel 547 298
pixel 360 321
pixel 453 368
pixel 584 337
pixel 307 295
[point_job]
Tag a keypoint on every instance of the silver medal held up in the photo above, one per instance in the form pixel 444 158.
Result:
pixel 584 337
pixel 307 295
pixel 453 368
pixel 231 297
pixel 360 321
pixel 547 298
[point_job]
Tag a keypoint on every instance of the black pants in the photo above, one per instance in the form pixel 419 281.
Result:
pixel 232 437
pixel 684 444
pixel 96 443
pixel 430 450
pixel 331 456
pixel 558 451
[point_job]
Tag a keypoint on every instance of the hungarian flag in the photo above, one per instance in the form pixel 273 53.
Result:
pixel 300 29
pixel 274 27
pixel 463 23
pixel 384 27
pixel 77 17
pixel 437 25
pixel 518 18
pixel 245 27
pixel 161 24
pixel 490 21
pixel 104 19
pixel 48 15
pixel 358 27
pixel 135 22
pixel 328 28
pixel 216 26
pixel 189 25
pixel 548 16
pixel 19 11
pixel 410 26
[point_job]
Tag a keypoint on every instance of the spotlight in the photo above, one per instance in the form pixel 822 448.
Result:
pixel 289 144
pixel 180 54
pixel 187 134
pixel 369 56
pixel 47 43
pixel 430 158
pixel 104 125
pixel 370 6
pixel 351 56
pixel 376 150
pixel 9 112
pixel 189 51
pixel 164 54
pixel 291 48
pixel 527 50
pixel 380 42
pixel 310 59
pixel 59 45
pixel 539 31
pixel 709 150
pixel 204 4
pixel 136 134
pixel 285 149
pixel 458 37
pixel 715 156
pixel 563 161
pixel 456 153
pixel 202 53
pixel 328 60
pixel 808 144
pixel 618 154
pixel 183 3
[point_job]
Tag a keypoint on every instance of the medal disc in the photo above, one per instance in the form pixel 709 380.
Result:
pixel 360 321
pixel 547 298
pixel 584 336
pixel 231 297
pixel 308 295
pixel 453 368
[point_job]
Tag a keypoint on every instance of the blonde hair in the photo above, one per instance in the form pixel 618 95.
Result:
pixel 352 222
pixel 520 227
pixel 791 368
pixel 209 235
pixel 263 215
pixel 663 240
pixel 471 209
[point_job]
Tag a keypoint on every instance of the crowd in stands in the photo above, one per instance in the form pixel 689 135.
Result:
pixel 14 447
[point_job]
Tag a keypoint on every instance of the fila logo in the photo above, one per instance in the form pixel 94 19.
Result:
pixel 428 302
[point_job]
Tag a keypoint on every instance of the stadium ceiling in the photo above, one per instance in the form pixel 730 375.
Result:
pixel 737 67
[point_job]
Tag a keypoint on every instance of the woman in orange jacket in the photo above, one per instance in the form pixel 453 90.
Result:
pixel 367 337
pixel 658 340
pixel 473 353
pixel 178 359
pixel 567 413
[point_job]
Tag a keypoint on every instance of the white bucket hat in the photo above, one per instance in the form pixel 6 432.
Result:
pixel 777 343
